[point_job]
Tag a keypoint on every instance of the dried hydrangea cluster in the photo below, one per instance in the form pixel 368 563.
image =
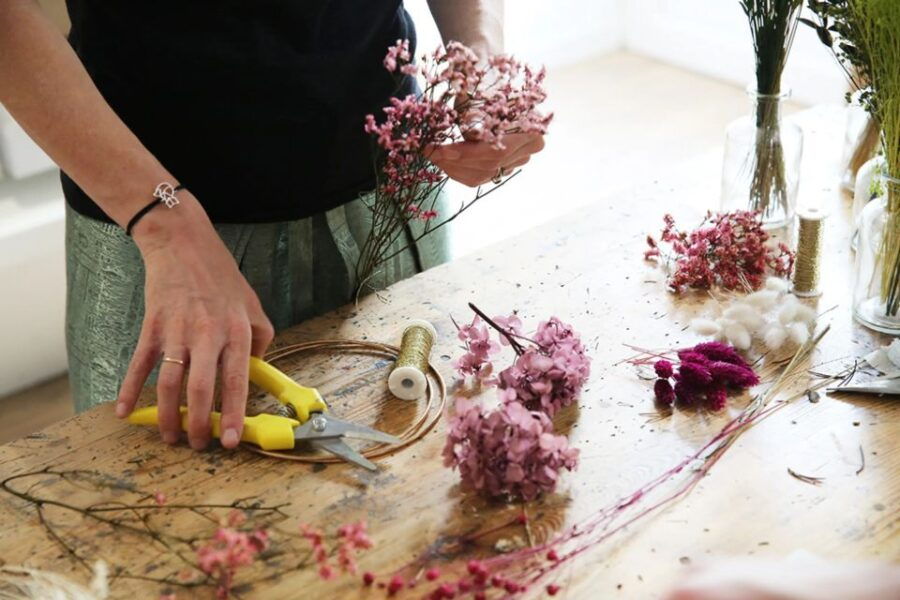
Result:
pixel 550 368
pixel 228 550
pixel 771 315
pixel 703 376
pixel 351 538
pixel 730 250
pixel 508 452
pixel 463 98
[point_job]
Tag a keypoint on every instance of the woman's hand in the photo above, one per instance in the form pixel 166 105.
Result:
pixel 474 163
pixel 198 309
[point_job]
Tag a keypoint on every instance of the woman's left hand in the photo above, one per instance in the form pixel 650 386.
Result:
pixel 474 163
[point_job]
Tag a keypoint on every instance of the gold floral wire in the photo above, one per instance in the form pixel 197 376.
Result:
pixel 415 348
pixel 809 253
pixel 434 407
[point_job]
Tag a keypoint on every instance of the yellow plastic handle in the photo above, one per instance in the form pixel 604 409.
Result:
pixel 304 400
pixel 269 432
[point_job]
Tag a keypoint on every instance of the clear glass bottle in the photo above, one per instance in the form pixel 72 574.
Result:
pixel 761 168
pixel 876 291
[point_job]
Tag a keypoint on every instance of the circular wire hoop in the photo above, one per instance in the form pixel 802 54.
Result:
pixel 436 396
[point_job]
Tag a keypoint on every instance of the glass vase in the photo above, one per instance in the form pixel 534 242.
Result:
pixel 761 168
pixel 876 291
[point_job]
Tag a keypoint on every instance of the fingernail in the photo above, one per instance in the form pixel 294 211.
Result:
pixel 121 409
pixel 452 154
pixel 230 438
pixel 198 444
pixel 170 437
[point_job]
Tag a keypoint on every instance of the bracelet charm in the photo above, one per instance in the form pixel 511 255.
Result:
pixel 165 193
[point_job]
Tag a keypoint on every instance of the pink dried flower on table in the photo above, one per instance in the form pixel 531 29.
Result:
pixel 508 452
pixel 228 551
pixel 350 540
pixel 549 375
pixel 703 375
pixel 730 250
pixel 479 347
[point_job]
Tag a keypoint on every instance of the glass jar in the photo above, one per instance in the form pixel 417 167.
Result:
pixel 868 186
pixel 876 291
pixel 761 168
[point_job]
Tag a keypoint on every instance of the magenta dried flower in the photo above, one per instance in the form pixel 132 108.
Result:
pixel 664 392
pixel 733 375
pixel 695 374
pixel 508 452
pixel 663 368
pixel 690 356
pixel 720 351
pixel 685 394
pixel 717 398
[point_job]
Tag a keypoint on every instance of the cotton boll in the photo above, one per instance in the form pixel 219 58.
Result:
pixel 788 311
pixel 798 332
pixel 804 313
pixel 737 335
pixel 777 284
pixel 763 299
pixel 744 314
pixel 705 327
pixel 775 336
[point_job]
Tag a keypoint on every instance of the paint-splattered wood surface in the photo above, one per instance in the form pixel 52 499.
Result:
pixel 586 268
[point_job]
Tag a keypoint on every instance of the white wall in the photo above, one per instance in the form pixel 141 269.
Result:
pixel 712 37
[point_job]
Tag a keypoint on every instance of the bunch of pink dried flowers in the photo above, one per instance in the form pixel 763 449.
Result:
pixel 511 451
pixel 701 376
pixel 731 250
pixel 464 98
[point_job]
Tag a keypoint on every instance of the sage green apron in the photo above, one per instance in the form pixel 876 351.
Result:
pixel 298 269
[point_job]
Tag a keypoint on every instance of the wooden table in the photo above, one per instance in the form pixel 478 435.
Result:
pixel 586 268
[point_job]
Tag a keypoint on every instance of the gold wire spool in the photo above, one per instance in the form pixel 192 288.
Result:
pixel 408 379
pixel 807 266
pixel 435 400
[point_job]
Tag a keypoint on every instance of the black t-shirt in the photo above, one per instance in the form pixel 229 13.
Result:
pixel 256 106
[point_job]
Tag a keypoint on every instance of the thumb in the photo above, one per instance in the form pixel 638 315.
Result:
pixel 442 152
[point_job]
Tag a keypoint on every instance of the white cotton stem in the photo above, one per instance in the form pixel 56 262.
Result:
pixel 798 332
pixel 788 312
pixel 705 327
pixel 737 335
pixel 805 314
pixel 763 299
pixel 775 336
pixel 777 284
pixel 744 314
pixel 23 583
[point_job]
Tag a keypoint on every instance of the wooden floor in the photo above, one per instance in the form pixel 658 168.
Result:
pixel 620 119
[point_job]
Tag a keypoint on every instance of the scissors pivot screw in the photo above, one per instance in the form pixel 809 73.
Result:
pixel 319 423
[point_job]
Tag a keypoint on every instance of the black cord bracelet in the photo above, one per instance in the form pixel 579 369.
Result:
pixel 164 194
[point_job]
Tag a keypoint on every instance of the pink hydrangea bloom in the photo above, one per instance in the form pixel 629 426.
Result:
pixel 508 452
pixel 479 346
pixel 730 250
pixel 549 375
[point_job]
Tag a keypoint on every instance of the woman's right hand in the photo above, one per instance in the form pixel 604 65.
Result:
pixel 198 309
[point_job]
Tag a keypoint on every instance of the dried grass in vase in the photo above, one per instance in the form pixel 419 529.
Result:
pixel 773 24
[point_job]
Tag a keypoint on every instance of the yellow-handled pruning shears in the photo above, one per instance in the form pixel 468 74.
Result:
pixel 305 419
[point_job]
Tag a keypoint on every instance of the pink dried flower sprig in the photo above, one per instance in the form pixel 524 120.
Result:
pixel 703 376
pixel 508 452
pixel 229 550
pixel 351 539
pixel 464 99
pixel 730 250
pixel 550 368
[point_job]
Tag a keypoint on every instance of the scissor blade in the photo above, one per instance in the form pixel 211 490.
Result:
pixel 878 386
pixel 331 427
pixel 337 447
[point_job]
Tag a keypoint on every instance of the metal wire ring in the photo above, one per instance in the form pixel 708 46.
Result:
pixel 434 407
